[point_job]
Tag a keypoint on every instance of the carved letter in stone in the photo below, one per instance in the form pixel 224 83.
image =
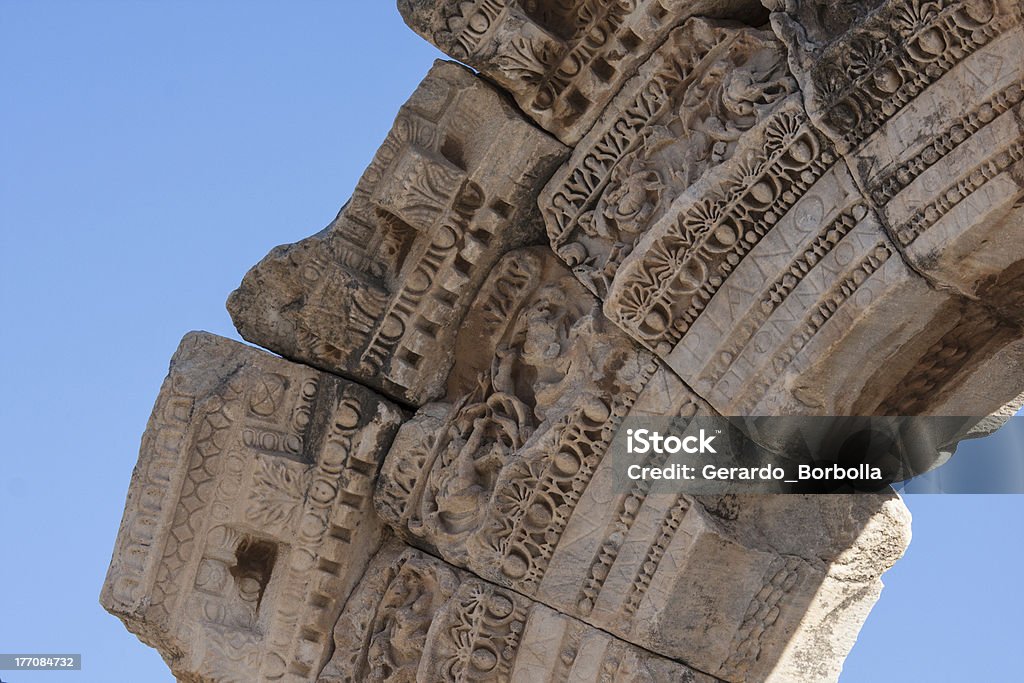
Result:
pixel 415 618
pixel 379 294
pixel 563 61
pixel 248 519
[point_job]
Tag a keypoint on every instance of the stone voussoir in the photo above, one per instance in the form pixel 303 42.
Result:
pixel 511 476
pixel 562 61
pixel 378 295
pixel 793 207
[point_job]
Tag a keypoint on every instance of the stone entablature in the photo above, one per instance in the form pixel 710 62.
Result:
pixel 248 519
pixel 562 61
pixel 699 207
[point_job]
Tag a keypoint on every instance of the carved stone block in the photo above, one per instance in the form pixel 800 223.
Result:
pixel 771 287
pixel 508 477
pixel 380 293
pixel 416 618
pixel 248 519
pixel 681 115
pixel 924 99
pixel 562 61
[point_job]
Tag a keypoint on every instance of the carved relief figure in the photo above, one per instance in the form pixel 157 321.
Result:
pixel 563 61
pixel 416 618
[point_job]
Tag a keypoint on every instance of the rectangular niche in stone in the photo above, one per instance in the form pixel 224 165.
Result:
pixel 379 294
pixel 416 618
pixel 248 519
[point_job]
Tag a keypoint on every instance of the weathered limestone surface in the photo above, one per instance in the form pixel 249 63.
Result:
pixel 699 208
pixel 771 287
pixel 507 476
pixel 416 618
pixel 781 279
pixel 562 60
pixel 377 295
pixel 681 115
pixel 924 99
pixel 248 519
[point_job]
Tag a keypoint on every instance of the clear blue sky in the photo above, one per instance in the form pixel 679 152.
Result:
pixel 151 152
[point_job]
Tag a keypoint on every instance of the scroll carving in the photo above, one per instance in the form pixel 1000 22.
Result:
pixel 816 213
pixel 682 115
pixel 416 618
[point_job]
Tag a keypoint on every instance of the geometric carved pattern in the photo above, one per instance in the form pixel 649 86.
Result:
pixel 562 61
pixel 247 518
pixel 509 477
pixel 682 115
pixel 415 618
pixel 377 295
pixel 823 215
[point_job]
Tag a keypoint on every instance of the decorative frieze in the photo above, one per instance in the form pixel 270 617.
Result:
pixel 924 100
pixel 562 61
pixel 510 476
pixel 378 295
pixel 680 116
pixel 824 218
pixel 416 618
pixel 771 287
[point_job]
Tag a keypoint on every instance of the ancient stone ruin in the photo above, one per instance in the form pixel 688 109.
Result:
pixel 623 208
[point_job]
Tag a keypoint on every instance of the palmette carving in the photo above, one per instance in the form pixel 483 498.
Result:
pixel 680 116
pixel 247 521
pixel 848 246
pixel 563 61
pixel 924 99
pixel 856 81
pixel 379 293
pixel 931 125
pixel 551 381
pixel 764 281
